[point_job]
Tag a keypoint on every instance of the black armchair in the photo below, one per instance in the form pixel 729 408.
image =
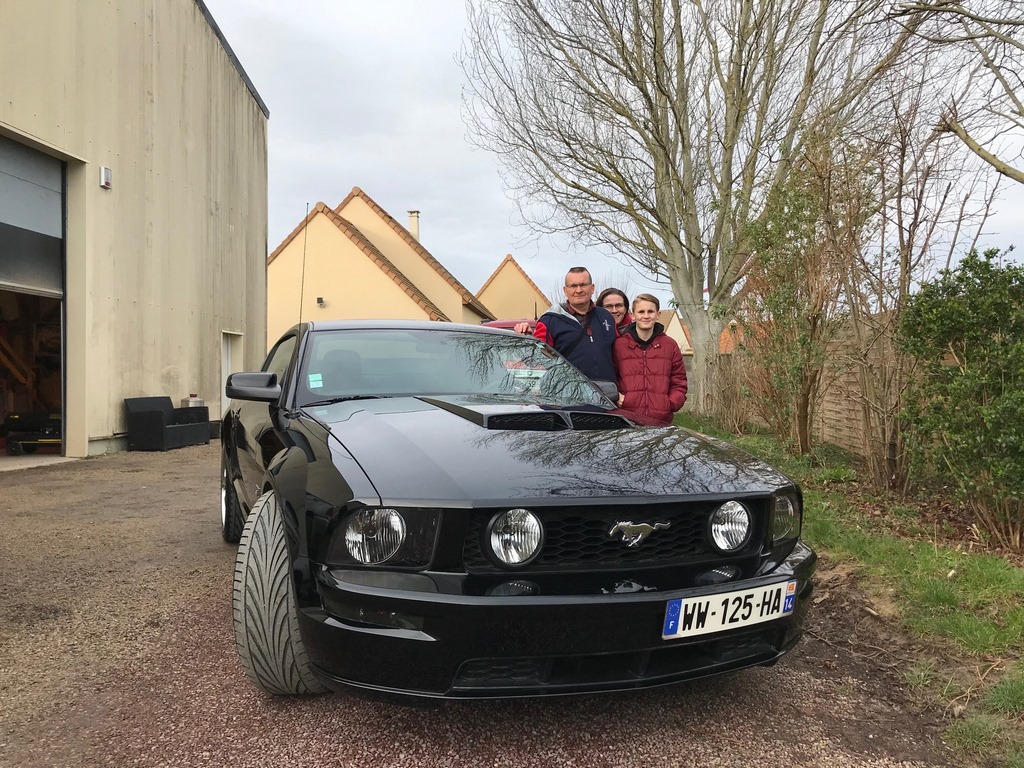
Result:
pixel 154 424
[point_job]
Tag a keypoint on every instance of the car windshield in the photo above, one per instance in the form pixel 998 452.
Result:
pixel 359 363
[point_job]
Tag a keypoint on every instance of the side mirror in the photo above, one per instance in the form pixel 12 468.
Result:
pixel 260 386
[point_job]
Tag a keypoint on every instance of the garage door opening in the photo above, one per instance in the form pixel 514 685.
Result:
pixel 31 375
pixel 31 301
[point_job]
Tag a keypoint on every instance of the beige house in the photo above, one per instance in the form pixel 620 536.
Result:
pixel 674 329
pixel 133 212
pixel 511 294
pixel 356 262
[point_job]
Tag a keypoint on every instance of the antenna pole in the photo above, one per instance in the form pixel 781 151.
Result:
pixel 302 280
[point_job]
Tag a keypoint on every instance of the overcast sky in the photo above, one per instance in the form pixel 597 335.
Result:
pixel 368 94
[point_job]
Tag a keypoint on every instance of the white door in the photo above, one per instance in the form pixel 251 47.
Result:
pixel 230 361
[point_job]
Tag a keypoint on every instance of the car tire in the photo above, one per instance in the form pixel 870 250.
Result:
pixel 14 448
pixel 232 517
pixel 265 611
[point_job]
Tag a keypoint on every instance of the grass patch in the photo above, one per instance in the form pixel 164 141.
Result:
pixel 950 690
pixel 768 449
pixel 921 675
pixel 702 424
pixel 972 602
pixel 974 735
pixel 835 475
pixel 1007 696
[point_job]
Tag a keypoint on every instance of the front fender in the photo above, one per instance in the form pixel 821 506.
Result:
pixel 287 475
pixel 311 492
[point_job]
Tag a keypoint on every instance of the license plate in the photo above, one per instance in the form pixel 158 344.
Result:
pixel 686 617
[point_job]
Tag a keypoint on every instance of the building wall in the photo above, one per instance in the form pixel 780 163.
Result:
pixel 470 315
pixel 174 254
pixel 324 262
pixel 510 297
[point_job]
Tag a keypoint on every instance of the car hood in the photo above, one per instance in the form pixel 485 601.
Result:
pixel 447 451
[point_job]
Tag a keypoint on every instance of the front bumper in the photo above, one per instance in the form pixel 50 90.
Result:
pixel 470 646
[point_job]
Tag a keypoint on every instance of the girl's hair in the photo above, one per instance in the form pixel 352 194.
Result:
pixel 611 292
pixel 647 297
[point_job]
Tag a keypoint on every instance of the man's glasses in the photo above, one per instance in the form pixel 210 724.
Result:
pixel 578 286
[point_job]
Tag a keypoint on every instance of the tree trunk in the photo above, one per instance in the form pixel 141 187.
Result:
pixel 703 384
pixel 805 413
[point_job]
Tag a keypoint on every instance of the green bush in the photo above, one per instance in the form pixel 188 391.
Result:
pixel 966 410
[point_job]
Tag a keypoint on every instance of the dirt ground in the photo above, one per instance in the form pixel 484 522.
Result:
pixel 116 649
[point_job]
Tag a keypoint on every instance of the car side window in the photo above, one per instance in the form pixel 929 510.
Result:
pixel 279 357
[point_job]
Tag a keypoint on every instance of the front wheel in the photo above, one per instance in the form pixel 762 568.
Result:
pixel 265 611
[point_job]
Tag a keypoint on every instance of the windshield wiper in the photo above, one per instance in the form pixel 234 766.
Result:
pixel 341 399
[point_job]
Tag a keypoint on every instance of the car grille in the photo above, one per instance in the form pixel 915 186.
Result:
pixel 577 538
pixel 674 661
pixel 556 420
pixel 597 421
pixel 527 421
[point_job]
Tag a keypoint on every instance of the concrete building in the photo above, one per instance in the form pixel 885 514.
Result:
pixel 133 211
pixel 356 261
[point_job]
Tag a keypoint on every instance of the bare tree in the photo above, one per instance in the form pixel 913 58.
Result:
pixel 867 213
pixel 983 46
pixel 792 296
pixel 658 128
pixel 922 198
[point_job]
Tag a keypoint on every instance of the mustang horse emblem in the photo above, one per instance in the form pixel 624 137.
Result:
pixel 634 533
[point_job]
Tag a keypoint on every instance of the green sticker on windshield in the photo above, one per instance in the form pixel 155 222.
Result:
pixel 316 380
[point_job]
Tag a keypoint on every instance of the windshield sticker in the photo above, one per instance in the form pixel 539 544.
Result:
pixel 316 380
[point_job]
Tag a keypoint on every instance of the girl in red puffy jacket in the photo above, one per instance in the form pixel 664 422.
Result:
pixel 651 376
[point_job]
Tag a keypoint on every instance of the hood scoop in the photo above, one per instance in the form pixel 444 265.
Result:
pixel 553 420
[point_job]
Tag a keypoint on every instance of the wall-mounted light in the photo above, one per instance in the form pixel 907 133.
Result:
pixel 320 301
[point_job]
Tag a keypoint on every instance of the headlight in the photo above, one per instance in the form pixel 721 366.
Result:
pixel 401 537
pixel 785 517
pixel 729 526
pixel 374 535
pixel 515 536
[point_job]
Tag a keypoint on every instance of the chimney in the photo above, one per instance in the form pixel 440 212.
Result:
pixel 414 224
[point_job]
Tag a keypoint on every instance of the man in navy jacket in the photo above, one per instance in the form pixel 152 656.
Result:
pixel 581 331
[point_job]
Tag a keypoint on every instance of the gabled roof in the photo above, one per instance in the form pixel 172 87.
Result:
pixel 371 251
pixel 467 298
pixel 509 260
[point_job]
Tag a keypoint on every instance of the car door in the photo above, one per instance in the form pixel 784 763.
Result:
pixel 255 439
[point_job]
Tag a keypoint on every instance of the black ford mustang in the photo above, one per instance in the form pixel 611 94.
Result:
pixel 454 511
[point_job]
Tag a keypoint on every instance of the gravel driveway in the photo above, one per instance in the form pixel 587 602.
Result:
pixel 116 649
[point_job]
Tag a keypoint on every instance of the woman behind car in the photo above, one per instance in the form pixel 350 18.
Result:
pixel 651 375
pixel 617 304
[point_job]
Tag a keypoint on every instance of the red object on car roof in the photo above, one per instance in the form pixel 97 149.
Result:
pixel 509 324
